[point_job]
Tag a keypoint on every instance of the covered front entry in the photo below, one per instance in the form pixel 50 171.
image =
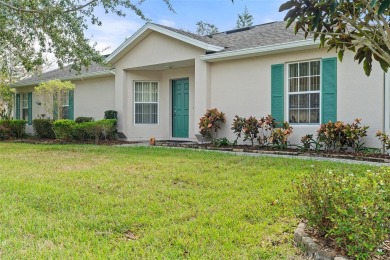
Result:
pixel 180 108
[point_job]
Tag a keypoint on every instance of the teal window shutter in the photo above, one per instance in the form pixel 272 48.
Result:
pixel 29 108
pixel 329 90
pixel 17 108
pixel 277 92
pixel 71 105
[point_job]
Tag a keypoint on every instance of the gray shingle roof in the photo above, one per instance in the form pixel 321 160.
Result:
pixel 254 36
pixel 64 73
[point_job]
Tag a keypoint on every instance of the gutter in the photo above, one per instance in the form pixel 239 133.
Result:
pixel 260 51
pixel 90 75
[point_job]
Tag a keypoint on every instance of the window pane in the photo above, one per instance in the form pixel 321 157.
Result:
pixel 314 116
pixel 293 85
pixel 315 83
pixel 304 115
pixel 146 113
pixel 293 101
pixel 304 101
pixel 304 69
pixel 315 68
pixel 304 84
pixel 315 100
pixel 25 114
pixel 293 115
pixel 293 70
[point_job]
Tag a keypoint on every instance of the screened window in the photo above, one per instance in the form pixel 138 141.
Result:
pixel 304 92
pixel 146 102
pixel 25 106
pixel 65 104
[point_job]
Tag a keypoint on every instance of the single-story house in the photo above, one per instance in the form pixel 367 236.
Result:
pixel 162 80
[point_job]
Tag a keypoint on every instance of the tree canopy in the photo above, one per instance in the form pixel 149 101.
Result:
pixel 345 25
pixel 245 19
pixel 204 28
pixel 31 28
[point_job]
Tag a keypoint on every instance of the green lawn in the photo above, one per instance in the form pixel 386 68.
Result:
pixel 80 201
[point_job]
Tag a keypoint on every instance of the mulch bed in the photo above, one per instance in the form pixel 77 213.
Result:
pixel 371 157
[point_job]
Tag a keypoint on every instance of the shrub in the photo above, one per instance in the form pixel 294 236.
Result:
pixel 384 138
pixel 338 135
pixel 63 129
pixel 280 135
pixel 80 132
pixel 17 128
pixel 5 133
pixel 266 125
pixel 44 128
pixel 237 126
pixel 110 114
pixel 309 143
pixel 109 128
pixel 222 142
pixel 210 123
pixel 83 119
pixel 250 129
pixel 351 209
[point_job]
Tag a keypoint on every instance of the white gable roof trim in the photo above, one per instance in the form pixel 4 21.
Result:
pixel 260 51
pixel 134 39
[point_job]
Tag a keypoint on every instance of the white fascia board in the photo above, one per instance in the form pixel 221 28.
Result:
pixel 97 74
pixel 115 55
pixel 259 51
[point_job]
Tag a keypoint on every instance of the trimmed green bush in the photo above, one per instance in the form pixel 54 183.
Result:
pixel 110 114
pixel 83 119
pixel 5 133
pixel 80 132
pixel 17 128
pixel 44 128
pixel 351 209
pixel 63 129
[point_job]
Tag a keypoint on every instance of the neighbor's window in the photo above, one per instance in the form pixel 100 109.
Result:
pixel 146 102
pixel 304 92
pixel 25 106
pixel 65 104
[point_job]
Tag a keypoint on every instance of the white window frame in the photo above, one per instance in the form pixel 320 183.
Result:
pixel 287 96
pixel 66 98
pixel 22 108
pixel 158 102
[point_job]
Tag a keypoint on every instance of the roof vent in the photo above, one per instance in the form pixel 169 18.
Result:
pixel 238 30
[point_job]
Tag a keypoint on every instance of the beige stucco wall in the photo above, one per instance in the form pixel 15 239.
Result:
pixel 94 96
pixel 154 49
pixel 163 129
pixel 243 87
pixel 91 98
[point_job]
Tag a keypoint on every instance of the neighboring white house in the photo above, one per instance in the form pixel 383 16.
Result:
pixel 163 80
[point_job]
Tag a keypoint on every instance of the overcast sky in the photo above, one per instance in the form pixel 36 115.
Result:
pixel 222 13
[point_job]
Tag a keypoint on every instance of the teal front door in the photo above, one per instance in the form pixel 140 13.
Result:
pixel 180 99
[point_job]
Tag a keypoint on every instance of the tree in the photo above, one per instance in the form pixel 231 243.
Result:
pixel 53 95
pixel 6 100
pixel 245 19
pixel 29 29
pixel 358 26
pixel 205 28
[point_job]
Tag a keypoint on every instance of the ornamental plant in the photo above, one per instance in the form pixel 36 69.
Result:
pixel 210 123
pixel 266 125
pixel 384 138
pixel 279 136
pixel 237 126
pixel 350 208
pixel 250 129
pixel 354 134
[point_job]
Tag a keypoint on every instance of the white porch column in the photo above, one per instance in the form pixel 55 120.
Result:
pixel 202 90
pixel 121 100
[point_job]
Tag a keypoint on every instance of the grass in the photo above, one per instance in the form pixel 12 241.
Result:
pixel 81 201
